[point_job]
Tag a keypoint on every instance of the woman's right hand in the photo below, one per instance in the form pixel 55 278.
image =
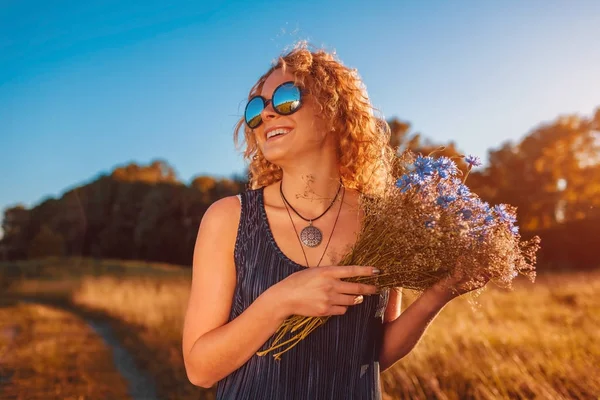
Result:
pixel 319 291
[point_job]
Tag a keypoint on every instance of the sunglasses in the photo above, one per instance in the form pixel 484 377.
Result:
pixel 286 100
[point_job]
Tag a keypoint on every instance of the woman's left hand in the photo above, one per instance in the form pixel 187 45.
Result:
pixel 459 283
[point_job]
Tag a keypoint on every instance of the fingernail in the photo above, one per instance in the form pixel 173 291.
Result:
pixel 376 270
pixel 358 299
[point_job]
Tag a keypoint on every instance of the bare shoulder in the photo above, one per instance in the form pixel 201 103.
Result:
pixel 220 222
pixel 217 234
pixel 223 211
pixel 225 205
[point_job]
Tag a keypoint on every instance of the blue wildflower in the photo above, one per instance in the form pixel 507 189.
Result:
pixel 424 166
pixel 503 214
pixel 402 181
pixel 466 214
pixel 444 201
pixel 442 188
pixel 445 167
pixel 506 216
pixel 480 205
pixel 408 181
pixel 430 224
pixel 463 191
pixel 473 161
pixel 417 179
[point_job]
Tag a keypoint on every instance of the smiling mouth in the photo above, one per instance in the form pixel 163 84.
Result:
pixel 278 132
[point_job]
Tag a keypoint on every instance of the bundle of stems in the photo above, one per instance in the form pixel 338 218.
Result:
pixel 425 226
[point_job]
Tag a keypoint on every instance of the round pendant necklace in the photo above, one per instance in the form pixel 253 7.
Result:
pixel 310 236
pixel 330 236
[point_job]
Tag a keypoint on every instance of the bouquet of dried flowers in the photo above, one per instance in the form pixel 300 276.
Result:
pixel 425 226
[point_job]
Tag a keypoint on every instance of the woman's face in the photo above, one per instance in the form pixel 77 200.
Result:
pixel 304 130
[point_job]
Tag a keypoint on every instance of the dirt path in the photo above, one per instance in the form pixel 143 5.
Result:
pixel 50 353
pixel 140 386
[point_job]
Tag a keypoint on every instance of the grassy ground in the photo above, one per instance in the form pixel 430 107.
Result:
pixel 538 341
pixel 144 304
pixel 48 353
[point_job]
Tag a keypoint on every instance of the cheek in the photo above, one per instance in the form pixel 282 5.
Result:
pixel 309 118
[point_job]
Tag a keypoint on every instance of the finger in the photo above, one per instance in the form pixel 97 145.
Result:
pixel 338 310
pixel 354 288
pixel 347 271
pixel 347 300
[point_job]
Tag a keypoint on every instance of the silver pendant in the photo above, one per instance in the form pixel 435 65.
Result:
pixel 311 236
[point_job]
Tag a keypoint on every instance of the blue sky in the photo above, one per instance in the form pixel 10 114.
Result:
pixel 89 85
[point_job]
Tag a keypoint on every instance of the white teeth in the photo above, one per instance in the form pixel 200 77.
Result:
pixel 279 131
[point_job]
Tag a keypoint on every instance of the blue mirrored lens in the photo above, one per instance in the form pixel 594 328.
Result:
pixel 286 99
pixel 253 110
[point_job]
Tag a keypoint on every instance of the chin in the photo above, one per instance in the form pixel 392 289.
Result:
pixel 275 156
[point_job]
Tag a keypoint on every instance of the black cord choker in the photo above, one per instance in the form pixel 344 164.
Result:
pixel 310 236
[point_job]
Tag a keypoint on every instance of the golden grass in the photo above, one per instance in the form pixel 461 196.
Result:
pixel 46 353
pixel 539 341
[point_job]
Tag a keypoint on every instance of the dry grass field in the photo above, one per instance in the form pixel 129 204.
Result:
pixel 47 353
pixel 538 341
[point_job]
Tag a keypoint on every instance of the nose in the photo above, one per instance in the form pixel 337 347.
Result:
pixel 268 112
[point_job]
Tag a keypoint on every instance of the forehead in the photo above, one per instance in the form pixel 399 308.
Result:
pixel 276 78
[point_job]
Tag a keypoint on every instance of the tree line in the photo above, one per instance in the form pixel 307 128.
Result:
pixel 145 212
pixel 135 212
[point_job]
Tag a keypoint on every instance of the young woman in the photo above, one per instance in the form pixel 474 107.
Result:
pixel 314 146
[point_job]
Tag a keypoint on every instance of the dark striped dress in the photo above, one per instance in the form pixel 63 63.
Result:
pixel 339 360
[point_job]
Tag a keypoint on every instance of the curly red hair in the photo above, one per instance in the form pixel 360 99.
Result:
pixel 363 151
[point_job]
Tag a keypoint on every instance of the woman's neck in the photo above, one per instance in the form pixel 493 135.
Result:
pixel 310 190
